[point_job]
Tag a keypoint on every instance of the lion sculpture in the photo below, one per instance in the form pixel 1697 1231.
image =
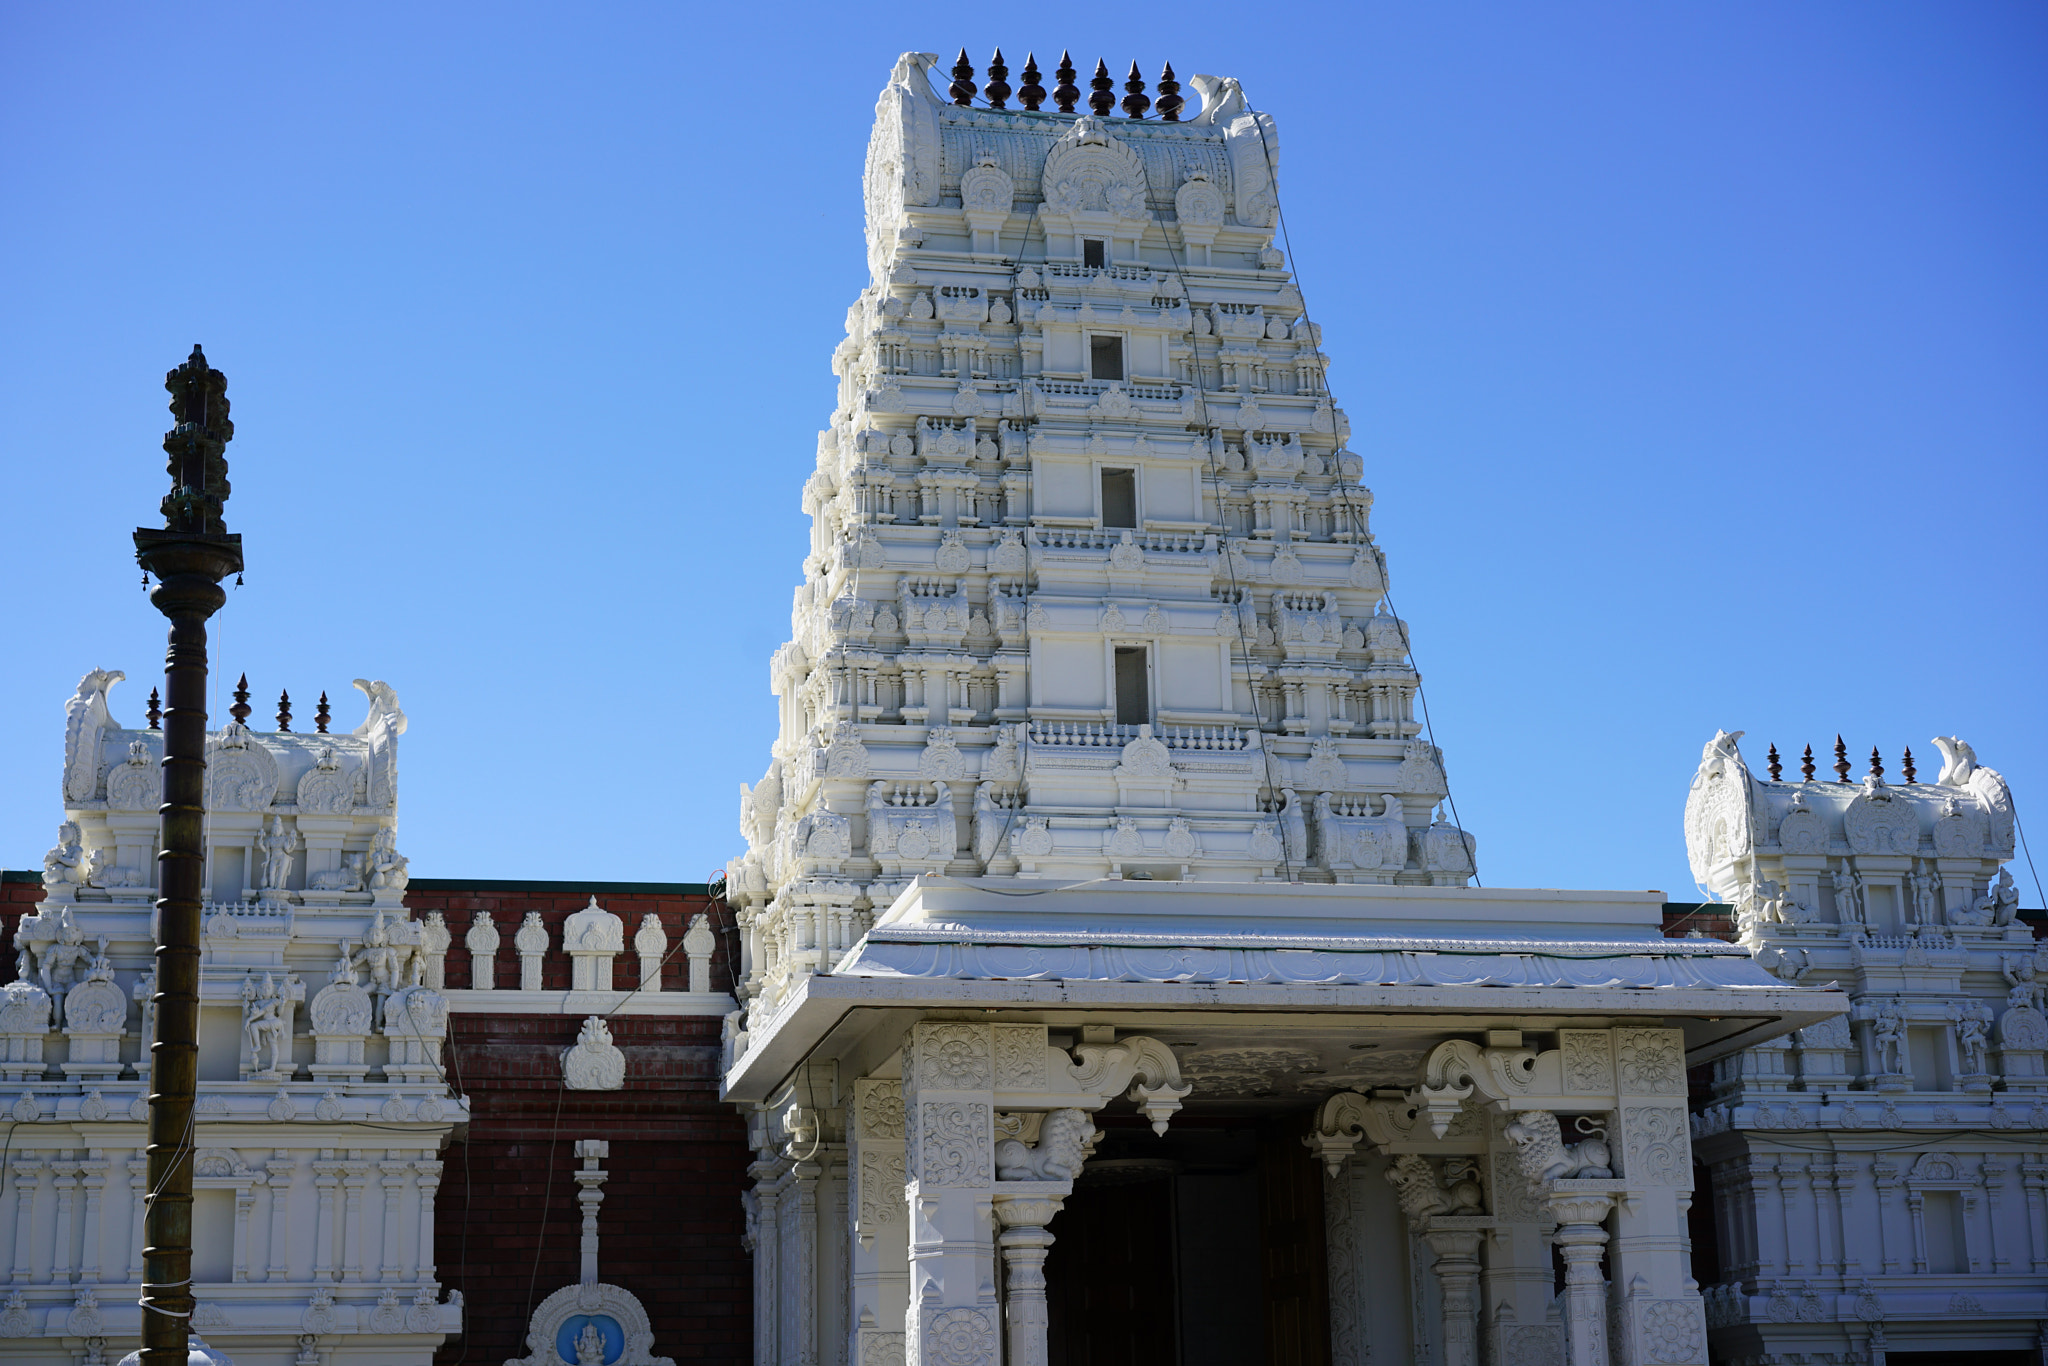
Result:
pixel 1422 1195
pixel 1544 1156
pixel 1063 1145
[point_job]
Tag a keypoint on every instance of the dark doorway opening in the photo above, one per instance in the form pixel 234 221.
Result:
pixel 1203 1248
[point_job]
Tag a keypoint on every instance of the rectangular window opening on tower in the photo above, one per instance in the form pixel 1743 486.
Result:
pixel 1133 690
pixel 1093 251
pixel 1106 357
pixel 1120 499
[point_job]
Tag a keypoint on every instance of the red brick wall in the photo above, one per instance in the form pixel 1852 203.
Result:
pixel 671 1222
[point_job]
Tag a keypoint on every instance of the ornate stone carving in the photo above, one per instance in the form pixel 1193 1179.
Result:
pixel 1656 1145
pixel 959 1337
pixel 241 773
pixel 1063 1143
pixel 138 784
pixel 954 1057
pixel 1545 1156
pixel 593 1062
pixel 1878 821
pixel 1651 1064
pixel 1020 1057
pixel 953 1143
pixel 1586 1065
pixel 327 788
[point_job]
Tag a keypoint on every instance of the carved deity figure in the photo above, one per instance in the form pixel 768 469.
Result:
pixel 67 866
pixel 2001 901
pixel 1972 1032
pixel 1888 1039
pixel 278 844
pixel 590 1346
pixel 1293 828
pixel 1848 884
pixel 385 866
pixel 62 965
pixel 389 965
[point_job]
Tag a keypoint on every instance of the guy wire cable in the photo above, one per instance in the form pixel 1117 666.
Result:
pixel 1343 492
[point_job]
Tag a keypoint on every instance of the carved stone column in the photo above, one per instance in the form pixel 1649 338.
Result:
pixel 949 1084
pixel 1024 1208
pixel 1455 1241
pixel 1580 1207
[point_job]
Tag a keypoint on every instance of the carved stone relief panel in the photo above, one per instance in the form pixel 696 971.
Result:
pixel 1655 1145
pixel 878 1110
pixel 959 1337
pixel 882 1178
pixel 1514 1199
pixel 1588 1068
pixel 1651 1062
pixel 955 1143
pixel 953 1057
pixel 1020 1057
pixel 1670 1332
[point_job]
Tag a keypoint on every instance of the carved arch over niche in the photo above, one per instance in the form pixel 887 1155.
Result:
pixel 615 1313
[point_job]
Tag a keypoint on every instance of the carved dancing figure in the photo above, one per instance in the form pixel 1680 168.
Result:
pixel 264 1024
pixel 278 845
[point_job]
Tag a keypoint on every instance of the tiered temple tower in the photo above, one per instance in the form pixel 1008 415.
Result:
pixel 323 1100
pixel 1092 590
pixel 1878 1179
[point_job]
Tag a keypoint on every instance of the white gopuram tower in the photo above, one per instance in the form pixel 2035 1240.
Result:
pixel 1092 590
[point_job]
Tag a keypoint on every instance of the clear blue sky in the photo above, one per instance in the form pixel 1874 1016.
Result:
pixel 1695 351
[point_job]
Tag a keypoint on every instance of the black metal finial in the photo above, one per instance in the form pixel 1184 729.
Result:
pixel 320 715
pixel 1031 94
pixel 1907 767
pixel 1876 763
pixel 962 89
pixel 155 712
pixel 1136 101
pixel 1102 90
pixel 284 710
pixel 197 447
pixel 1841 761
pixel 1066 93
pixel 240 711
pixel 1771 763
pixel 1170 102
pixel 1806 766
pixel 998 87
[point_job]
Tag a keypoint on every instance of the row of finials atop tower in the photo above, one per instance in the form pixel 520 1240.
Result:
pixel 241 710
pixel 1065 95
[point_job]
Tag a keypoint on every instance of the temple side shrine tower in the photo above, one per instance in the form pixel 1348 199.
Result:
pixel 1110 990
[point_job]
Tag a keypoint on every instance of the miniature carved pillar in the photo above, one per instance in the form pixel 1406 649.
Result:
pixel 1455 1241
pixel 650 943
pixel 482 943
pixel 1025 1243
pixel 592 938
pixel 699 943
pixel 590 1181
pixel 1579 1212
pixel 532 943
pixel 949 1120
